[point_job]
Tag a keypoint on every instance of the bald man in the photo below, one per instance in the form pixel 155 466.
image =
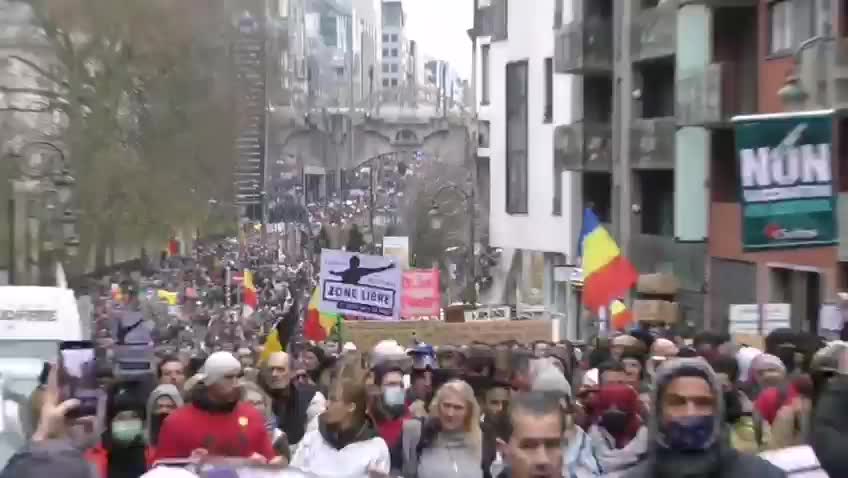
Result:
pixel 661 350
pixel 295 405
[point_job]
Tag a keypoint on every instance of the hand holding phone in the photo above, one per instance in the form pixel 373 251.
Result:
pixel 77 376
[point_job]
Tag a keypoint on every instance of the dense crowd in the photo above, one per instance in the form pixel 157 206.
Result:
pixel 644 403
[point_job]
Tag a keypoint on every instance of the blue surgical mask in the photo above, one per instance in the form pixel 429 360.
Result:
pixel 690 433
pixel 394 396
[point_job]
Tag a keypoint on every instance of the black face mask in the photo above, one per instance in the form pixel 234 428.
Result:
pixel 614 421
pixel 156 421
pixel 732 406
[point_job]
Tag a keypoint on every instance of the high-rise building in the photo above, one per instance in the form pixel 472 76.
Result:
pixel 395 52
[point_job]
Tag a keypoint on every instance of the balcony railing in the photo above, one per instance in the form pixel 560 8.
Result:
pixel 584 146
pixel 584 47
pixel 710 96
pixel 652 143
pixel 655 31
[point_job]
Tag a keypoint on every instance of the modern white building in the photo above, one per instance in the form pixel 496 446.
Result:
pixel 519 101
pixel 395 45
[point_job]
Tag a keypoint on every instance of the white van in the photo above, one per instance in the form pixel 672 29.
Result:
pixel 33 320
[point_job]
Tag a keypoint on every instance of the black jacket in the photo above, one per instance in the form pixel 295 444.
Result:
pixel 733 465
pixel 830 426
pixel 291 412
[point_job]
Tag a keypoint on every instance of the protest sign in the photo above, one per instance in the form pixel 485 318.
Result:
pixel 421 297
pixel 360 284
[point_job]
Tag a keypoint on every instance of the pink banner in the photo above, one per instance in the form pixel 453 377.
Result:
pixel 421 295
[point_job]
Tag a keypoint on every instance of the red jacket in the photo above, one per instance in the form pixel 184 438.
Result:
pixel 239 433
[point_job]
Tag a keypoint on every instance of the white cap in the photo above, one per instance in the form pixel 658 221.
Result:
pixel 349 347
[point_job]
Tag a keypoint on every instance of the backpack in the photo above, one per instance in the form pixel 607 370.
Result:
pixel 782 396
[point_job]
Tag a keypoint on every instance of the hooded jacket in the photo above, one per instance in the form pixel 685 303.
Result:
pixel 164 390
pixel 328 453
pixel 718 459
pixel 830 425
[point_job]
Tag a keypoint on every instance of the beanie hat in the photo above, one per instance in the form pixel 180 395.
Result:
pixel 550 379
pixel 219 365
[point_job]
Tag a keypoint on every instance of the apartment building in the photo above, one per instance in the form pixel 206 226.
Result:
pixel 656 83
pixel 519 103
pixel 396 46
pixel 794 58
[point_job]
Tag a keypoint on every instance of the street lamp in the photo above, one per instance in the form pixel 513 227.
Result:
pixel 49 175
pixel 792 92
pixel 436 223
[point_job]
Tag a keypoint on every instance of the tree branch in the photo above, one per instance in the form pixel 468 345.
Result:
pixel 41 71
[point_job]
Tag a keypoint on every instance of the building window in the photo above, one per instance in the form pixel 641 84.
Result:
pixel 516 138
pixel 394 67
pixel 557 199
pixel 394 37
pixel 793 21
pixel 558 8
pixel 657 214
pixel 385 67
pixel 549 90
pixel 780 24
pixel 385 82
pixel 484 73
pixel 394 52
pixel 385 52
pixel 394 82
pixel 385 37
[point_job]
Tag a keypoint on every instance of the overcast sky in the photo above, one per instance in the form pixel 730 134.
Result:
pixel 440 26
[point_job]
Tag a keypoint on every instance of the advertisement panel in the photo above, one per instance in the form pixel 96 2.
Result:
pixel 786 180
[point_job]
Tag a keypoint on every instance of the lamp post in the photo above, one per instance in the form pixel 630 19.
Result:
pixel 792 92
pixel 436 223
pixel 49 175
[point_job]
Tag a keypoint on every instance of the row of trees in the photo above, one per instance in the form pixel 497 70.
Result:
pixel 145 92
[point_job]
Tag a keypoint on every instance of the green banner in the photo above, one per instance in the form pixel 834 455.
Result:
pixel 786 180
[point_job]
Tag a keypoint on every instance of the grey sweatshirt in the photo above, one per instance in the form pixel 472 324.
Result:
pixel 449 457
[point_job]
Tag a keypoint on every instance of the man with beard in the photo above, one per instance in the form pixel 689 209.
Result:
pixel 388 411
pixel 295 405
pixel 216 422
pixel 687 433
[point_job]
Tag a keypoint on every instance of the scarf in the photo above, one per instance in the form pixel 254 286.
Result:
pixel 201 400
pixel 612 459
pixel 338 438
pixel 710 463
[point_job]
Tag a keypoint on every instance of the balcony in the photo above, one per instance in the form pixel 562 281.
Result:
pixel 652 143
pixel 584 47
pixel 584 146
pixel 712 95
pixel 654 32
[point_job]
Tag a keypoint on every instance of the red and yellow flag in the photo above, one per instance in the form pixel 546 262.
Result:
pixel 318 326
pixel 621 316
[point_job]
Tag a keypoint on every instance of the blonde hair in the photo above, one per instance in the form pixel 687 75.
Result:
pixel 461 389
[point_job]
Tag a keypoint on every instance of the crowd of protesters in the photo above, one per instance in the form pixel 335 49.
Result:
pixel 641 404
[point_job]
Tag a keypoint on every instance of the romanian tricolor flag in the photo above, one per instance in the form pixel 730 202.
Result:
pixel 318 326
pixel 607 275
pixel 251 298
pixel 621 315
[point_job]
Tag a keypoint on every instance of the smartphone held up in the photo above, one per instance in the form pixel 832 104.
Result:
pixel 78 376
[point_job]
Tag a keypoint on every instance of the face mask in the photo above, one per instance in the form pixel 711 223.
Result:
pixel 126 431
pixel 690 433
pixel 394 400
pixel 614 421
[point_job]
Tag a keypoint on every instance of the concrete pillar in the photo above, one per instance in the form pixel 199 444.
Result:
pixel 622 122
